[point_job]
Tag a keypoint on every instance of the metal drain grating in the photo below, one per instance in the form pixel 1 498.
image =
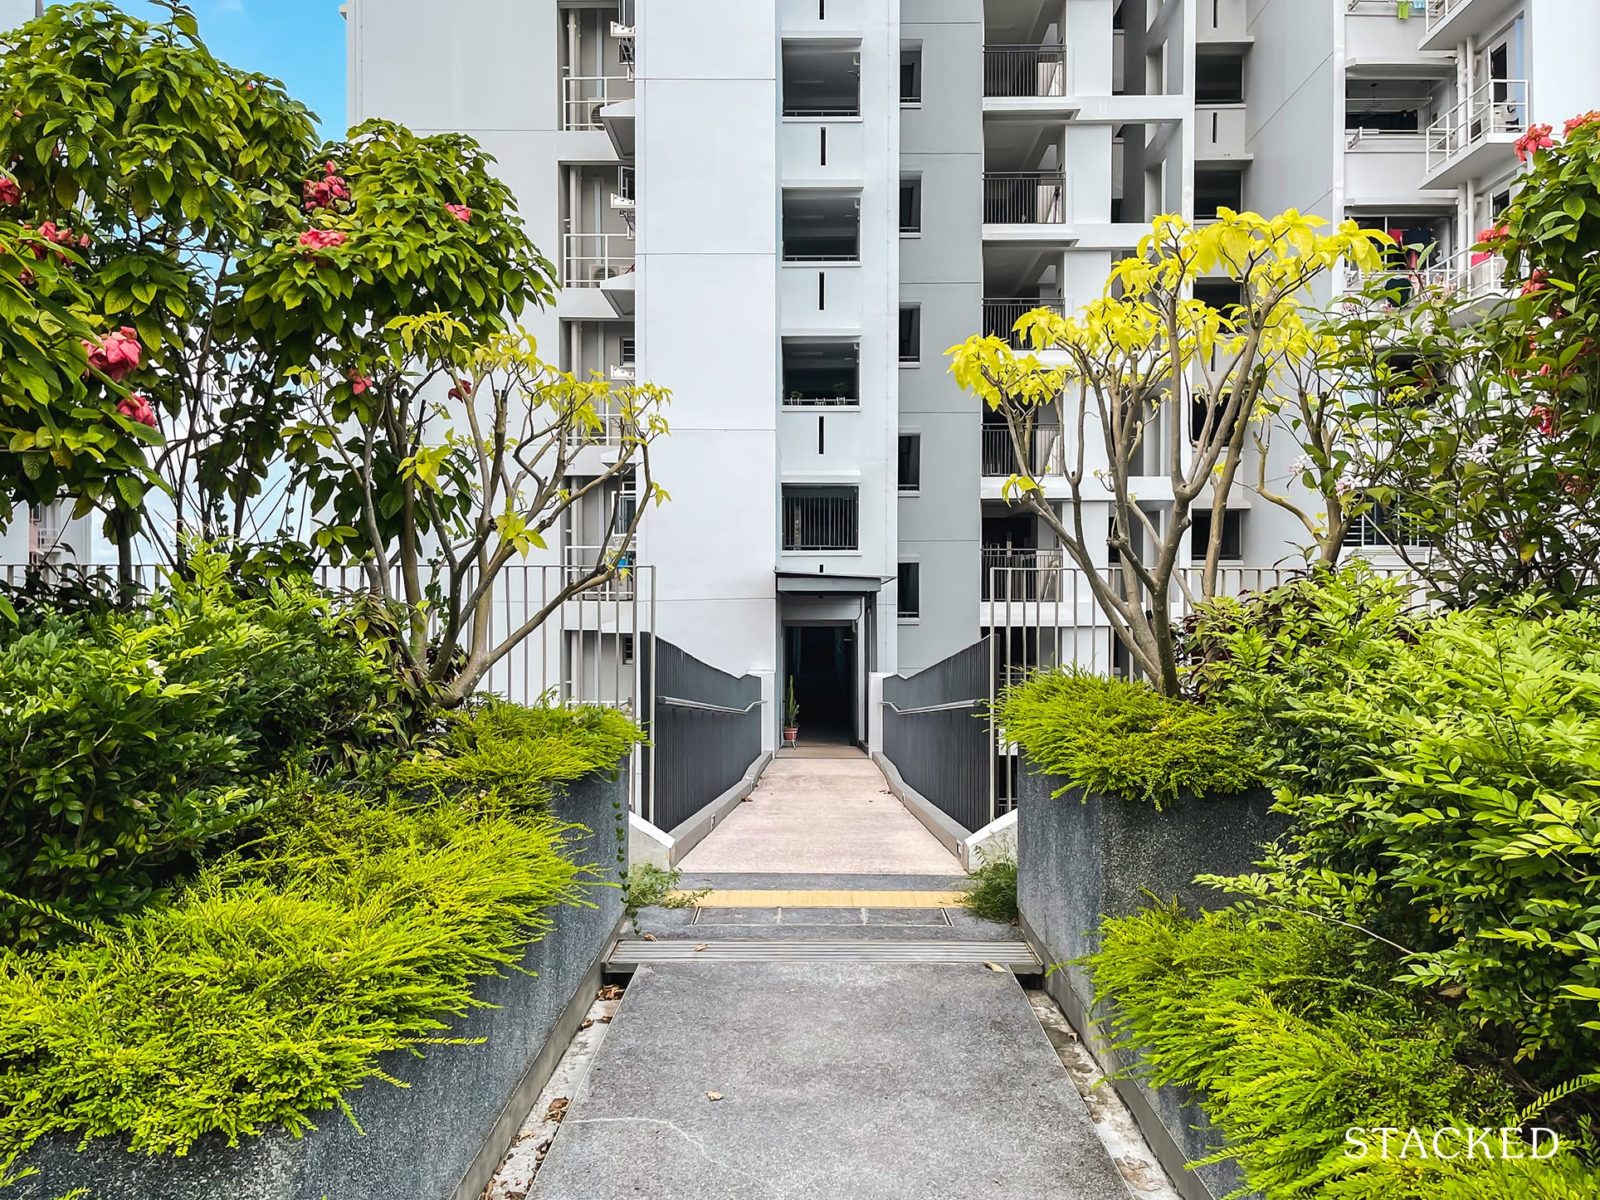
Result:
pixel 629 953
pixel 808 915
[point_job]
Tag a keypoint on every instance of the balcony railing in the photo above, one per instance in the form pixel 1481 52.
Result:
pixel 820 519
pixel 1024 70
pixel 1440 10
pixel 1023 574
pixel 582 560
pixel 1046 453
pixel 1001 313
pixel 1469 275
pixel 593 258
pixel 1024 197
pixel 583 96
pixel 1500 106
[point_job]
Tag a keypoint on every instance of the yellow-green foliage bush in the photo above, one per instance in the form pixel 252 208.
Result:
pixel 1123 738
pixel 357 920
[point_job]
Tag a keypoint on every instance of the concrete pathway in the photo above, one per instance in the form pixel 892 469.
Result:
pixel 822 814
pixel 843 1081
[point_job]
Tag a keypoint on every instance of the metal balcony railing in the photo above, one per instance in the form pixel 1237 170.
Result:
pixel 581 560
pixel 1499 106
pixel 1439 10
pixel 1000 313
pixel 1024 70
pixel 1046 453
pixel 593 258
pixel 1022 574
pixel 820 519
pixel 1468 275
pixel 1024 197
pixel 583 96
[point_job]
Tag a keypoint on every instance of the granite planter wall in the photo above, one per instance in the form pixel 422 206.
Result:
pixel 442 1137
pixel 1080 859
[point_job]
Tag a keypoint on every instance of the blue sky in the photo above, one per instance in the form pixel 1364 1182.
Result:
pixel 299 41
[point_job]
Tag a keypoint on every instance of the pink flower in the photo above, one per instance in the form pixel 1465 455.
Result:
pixel 117 355
pixel 321 239
pixel 1574 485
pixel 325 192
pixel 1546 417
pixel 1535 282
pixel 1592 117
pixel 460 212
pixel 461 391
pixel 137 408
pixel 360 383
pixel 1537 138
pixel 10 193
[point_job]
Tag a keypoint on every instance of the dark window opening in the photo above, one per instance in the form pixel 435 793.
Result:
pixel 910 462
pixel 1219 79
pixel 1217 189
pixel 910 334
pixel 911 75
pixel 911 205
pixel 820 518
pixel 909 593
pixel 1232 548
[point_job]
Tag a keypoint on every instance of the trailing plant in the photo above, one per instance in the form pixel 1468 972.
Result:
pixel 1291 1040
pixel 650 886
pixel 1123 738
pixel 991 891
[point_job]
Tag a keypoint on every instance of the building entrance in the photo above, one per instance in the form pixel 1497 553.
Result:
pixel 821 659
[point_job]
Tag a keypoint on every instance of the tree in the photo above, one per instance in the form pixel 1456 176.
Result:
pixel 150 167
pixel 1479 414
pixel 437 495
pixel 1149 364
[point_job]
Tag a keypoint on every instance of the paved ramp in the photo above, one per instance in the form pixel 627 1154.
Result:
pixel 837 1081
pixel 818 813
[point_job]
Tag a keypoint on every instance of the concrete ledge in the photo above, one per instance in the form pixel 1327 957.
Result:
pixel 996 840
pixel 649 844
pixel 693 831
pixel 950 834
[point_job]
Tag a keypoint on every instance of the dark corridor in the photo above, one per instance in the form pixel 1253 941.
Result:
pixel 821 659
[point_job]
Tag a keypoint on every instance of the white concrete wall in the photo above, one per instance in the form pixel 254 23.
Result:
pixel 708 317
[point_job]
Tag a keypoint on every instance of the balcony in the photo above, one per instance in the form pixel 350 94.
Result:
pixel 1475 139
pixel 1021 574
pixel 1471 276
pixel 821 226
pixel 818 374
pixel 1012 71
pixel 604 261
pixel 1449 23
pixel 1383 169
pixel 1046 453
pixel 584 99
pixel 820 519
pixel 1375 34
pixel 1000 314
pixel 1024 198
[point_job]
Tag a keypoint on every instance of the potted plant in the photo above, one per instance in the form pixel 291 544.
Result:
pixel 791 716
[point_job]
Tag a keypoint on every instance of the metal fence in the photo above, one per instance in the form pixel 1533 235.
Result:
pixel 1024 70
pixel 820 518
pixel 1000 313
pixel 705 733
pixel 1024 197
pixel 935 735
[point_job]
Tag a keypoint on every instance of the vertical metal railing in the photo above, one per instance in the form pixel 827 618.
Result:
pixel 1046 452
pixel 1000 314
pixel 1024 70
pixel 1024 197
pixel 583 96
pixel 593 258
pixel 820 519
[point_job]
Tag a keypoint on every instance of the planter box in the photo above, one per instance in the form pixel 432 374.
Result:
pixel 1080 859
pixel 439 1139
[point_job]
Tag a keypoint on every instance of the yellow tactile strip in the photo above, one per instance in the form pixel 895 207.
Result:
pixel 753 898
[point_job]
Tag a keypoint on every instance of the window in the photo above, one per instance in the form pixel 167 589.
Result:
pixel 910 334
pixel 821 374
pixel 819 518
pixel 627 504
pixel 821 226
pixel 625 350
pixel 1232 533
pixel 910 74
pixel 821 79
pixel 909 604
pixel 625 647
pixel 1217 189
pixel 911 204
pixel 1382 527
pixel 910 462
pixel 1219 79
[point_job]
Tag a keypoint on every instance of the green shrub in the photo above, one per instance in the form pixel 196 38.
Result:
pixel 356 919
pixel 543 749
pixel 1446 795
pixel 128 740
pixel 1290 1041
pixel 650 886
pixel 991 891
pixel 1125 739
